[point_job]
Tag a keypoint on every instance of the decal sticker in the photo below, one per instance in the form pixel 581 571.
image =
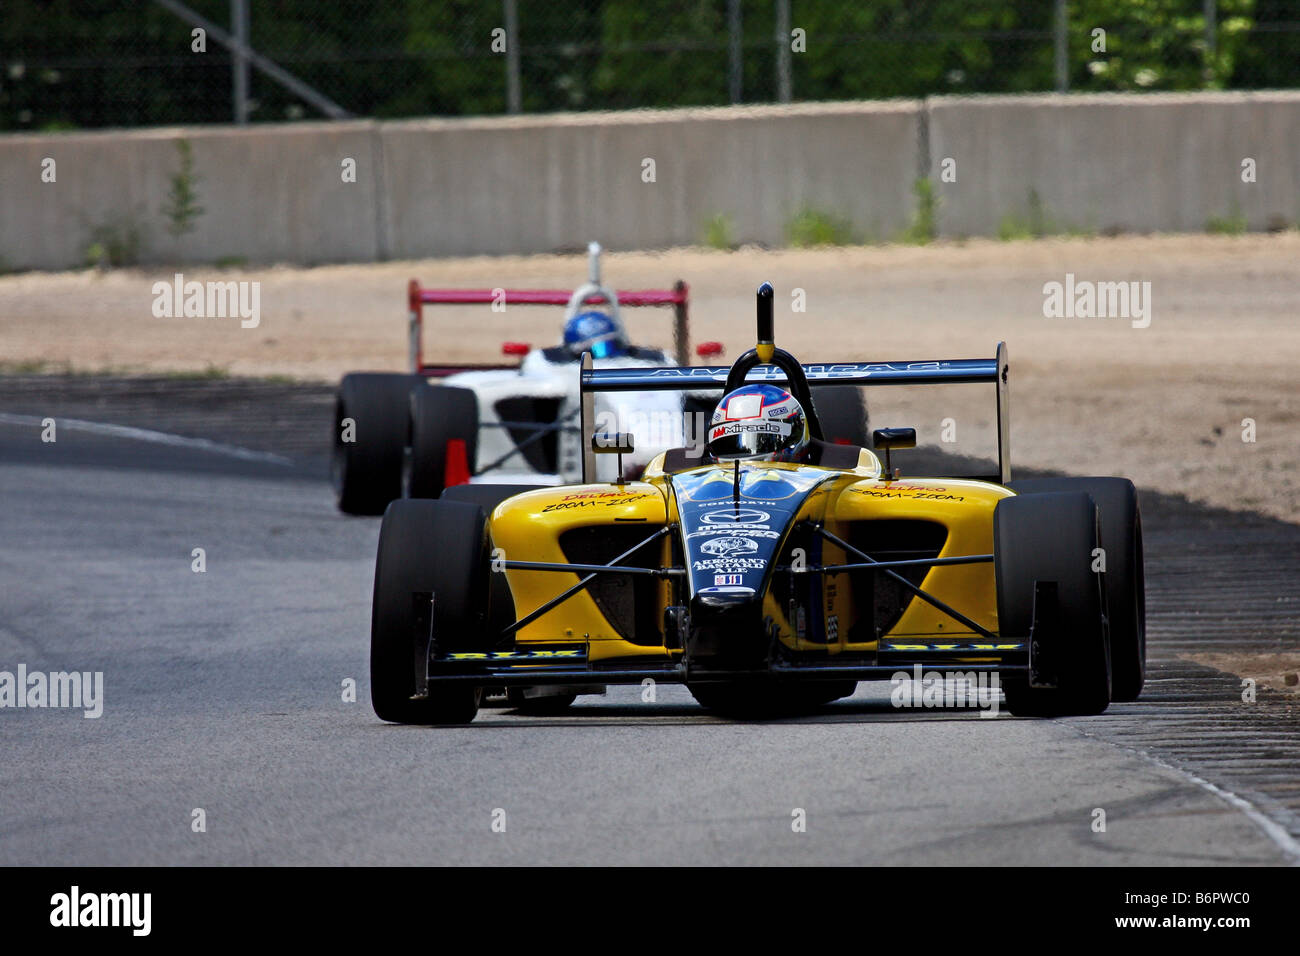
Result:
pixel 568 505
pixel 748 530
pixel 748 592
pixel 749 428
pixel 890 646
pixel 735 516
pixel 725 547
pixel 605 494
pixel 833 627
pixel 510 655
pixel 728 578
pixel 730 564
pixel 624 498
pixel 745 406
pixel 903 491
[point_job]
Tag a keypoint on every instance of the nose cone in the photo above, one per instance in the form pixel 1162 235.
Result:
pixel 727 630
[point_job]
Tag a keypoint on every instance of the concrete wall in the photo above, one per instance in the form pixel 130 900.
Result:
pixel 538 184
pixel 268 194
pixel 1165 162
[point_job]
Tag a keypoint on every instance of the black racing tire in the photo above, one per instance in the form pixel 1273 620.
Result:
pixel 435 547
pixel 1051 537
pixel 550 706
pixel 1125 577
pixel 487 497
pixel 367 471
pixel 439 414
pixel 843 414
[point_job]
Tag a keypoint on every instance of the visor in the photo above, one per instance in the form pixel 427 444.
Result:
pixel 749 438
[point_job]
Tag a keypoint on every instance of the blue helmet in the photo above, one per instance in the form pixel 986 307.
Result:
pixel 759 422
pixel 597 333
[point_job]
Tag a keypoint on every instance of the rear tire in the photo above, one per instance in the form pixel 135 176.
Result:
pixel 1051 537
pixel 843 414
pixel 367 471
pixel 435 547
pixel 1125 578
pixel 439 415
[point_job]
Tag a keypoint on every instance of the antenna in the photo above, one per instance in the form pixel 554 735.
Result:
pixel 593 263
pixel 766 334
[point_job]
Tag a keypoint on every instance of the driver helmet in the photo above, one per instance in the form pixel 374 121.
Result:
pixel 597 333
pixel 759 423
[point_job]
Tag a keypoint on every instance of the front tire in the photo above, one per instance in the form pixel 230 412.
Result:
pixel 433 548
pixel 1051 537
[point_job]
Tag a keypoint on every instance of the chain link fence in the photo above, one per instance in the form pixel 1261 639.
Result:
pixel 67 65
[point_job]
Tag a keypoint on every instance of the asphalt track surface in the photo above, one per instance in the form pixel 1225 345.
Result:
pixel 223 692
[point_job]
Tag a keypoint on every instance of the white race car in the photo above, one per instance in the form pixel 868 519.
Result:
pixel 513 426
pixel 412 435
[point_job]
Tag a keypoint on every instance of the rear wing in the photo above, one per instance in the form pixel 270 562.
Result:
pixel 591 293
pixel 708 377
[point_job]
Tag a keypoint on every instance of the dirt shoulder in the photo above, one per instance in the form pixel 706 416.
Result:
pixel 1277 672
pixel 1163 405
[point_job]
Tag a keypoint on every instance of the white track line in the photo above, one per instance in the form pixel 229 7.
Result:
pixel 144 434
pixel 1279 834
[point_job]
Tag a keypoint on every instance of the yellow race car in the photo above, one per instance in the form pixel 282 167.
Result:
pixel 763 584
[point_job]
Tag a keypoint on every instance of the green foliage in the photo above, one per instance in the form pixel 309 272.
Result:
pixel 182 208
pixel 923 227
pixel 114 243
pixel 1156 44
pixel 1012 228
pixel 719 232
pixel 814 227
pixel 1033 224
pixel 903 48
pixel 1233 224
pixel 78 63
pixel 27 367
